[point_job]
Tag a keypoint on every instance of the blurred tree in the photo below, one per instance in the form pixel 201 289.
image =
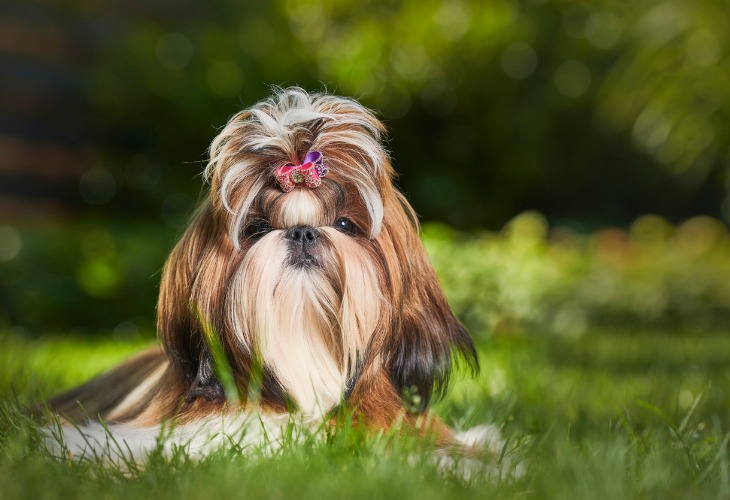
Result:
pixel 589 112
pixel 670 84
pixel 539 104
pixel 592 113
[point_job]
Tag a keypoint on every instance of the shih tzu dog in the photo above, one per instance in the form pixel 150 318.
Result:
pixel 300 287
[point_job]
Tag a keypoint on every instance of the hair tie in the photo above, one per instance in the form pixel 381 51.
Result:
pixel 309 173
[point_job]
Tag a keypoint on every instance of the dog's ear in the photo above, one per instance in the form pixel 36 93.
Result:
pixel 427 338
pixel 191 315
pixel 182 308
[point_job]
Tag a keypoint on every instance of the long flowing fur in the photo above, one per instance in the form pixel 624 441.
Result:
pixel 357 318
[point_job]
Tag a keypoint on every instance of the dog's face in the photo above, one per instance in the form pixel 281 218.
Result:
pixel 323 288
pixel 306 293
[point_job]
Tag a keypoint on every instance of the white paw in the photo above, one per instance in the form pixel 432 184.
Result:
pixel 484 437
pixel 487 439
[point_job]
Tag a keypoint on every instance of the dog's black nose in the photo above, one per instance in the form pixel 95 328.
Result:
pixel 303 248
pixel 306 235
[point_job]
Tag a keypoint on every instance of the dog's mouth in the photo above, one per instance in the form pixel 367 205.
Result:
pixel 302 260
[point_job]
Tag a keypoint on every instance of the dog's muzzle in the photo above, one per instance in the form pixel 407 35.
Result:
pixel 303 245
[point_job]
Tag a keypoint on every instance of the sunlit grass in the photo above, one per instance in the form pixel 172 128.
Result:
pixel 43 366
pixel 608 415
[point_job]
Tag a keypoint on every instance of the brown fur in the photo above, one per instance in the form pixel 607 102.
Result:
pixel 409 353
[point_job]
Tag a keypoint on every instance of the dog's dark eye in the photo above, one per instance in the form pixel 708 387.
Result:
pixel 257 229
pixel 346 226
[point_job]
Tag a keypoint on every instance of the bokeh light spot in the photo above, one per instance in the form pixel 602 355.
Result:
pixel 603 29
pixel 140 173
pixel 126 331
pixel 307 20
pixel 453 19
pixel 572 78
pixel 686 398
pixel 519 60
pixel 174 51
pixel 664 22
pixel 410 61
pixel 703 49
pixel 650 230
pixel 98 278
pixel 97 186
pixel 527 226
pixel 10 243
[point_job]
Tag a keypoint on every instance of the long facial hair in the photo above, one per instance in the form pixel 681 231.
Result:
pixel 317 296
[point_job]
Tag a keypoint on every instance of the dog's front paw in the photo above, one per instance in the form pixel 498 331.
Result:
pixel 484 438
pixel 484 454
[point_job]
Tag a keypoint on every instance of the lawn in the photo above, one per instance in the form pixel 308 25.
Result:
pixel 609 415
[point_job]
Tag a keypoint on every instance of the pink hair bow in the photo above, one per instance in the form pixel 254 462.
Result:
pixel 309 173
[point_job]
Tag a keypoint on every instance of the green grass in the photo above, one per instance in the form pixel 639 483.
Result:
pixel 605 415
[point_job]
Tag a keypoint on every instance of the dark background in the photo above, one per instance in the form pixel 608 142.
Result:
pixel 591 113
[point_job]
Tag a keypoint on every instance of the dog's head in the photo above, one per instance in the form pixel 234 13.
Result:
pixel 310 289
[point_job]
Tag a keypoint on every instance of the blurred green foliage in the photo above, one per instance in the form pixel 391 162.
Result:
pixel 654 275
pixel 591 112
pixel 96 278
pixel 84 277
